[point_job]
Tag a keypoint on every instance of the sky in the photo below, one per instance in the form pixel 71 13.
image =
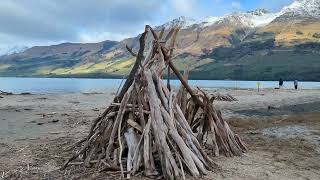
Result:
pixel 46 22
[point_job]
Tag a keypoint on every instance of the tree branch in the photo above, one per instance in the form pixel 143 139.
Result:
pixel 130 51
pixel 135 68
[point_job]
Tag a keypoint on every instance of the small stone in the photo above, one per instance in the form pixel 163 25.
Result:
pixel 65 114
pixel 253 132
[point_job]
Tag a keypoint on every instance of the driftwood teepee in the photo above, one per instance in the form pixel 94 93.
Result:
pixel 146 130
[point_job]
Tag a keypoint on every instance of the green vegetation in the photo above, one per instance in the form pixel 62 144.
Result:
pixel 316 35
pixel 265 65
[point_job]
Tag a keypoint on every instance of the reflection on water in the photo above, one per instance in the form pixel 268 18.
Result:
pixel 69 85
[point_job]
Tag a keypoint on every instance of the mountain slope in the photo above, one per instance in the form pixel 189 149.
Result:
pixel 242 45
pixel 43 60
pixel 296 23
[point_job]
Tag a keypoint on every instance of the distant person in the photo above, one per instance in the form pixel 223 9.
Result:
pixel 258 85
pixel 280 83
pixel 295 83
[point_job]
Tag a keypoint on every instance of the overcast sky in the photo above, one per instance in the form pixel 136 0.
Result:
pixel 44 22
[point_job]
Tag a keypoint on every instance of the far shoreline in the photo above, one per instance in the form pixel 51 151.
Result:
pixel 165 77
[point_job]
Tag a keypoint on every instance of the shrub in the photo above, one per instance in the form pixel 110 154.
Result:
pixel 316 35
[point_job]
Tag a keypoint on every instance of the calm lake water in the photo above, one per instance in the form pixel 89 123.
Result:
pixel 70 85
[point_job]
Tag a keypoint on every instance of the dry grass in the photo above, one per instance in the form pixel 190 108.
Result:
pixel 265 122
pixel 288 34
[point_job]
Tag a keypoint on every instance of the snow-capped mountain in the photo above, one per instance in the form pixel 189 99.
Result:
pixel 186 22
pixel 8 50
pixel 253 19
pixel 257 18
pixel 182 21
pixel 307 8
pixel 262 17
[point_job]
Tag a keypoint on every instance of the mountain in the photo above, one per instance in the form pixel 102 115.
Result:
pixel 5 51
pixel 302 8
pixel 254 45
pixel 297 23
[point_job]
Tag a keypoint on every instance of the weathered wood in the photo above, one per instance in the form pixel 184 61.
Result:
pixel 186 152
pixel 161 32
pixel 160 129
pixel 135 67
pixel 134 125
pixel 147 153
pixel 132 142
pixel 131 51
pixel 117 122
pixel 185 84
pixel 220 97
pixel 182 96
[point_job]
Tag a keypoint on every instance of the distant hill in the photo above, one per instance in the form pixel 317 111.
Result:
pixel 243 45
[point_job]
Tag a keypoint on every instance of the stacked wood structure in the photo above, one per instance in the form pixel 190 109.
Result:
pixel 150 129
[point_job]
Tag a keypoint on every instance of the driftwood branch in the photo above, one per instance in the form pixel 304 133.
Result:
pixel 135 68
pixel 131 51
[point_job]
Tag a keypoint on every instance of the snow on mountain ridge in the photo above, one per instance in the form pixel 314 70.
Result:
pixel 264 19
pixel 186 22
pixel 248 19
pixel 210 20
pixel 8 50
pixel 182 21
pixel 256 18
pixel 253 19
pixel 303 7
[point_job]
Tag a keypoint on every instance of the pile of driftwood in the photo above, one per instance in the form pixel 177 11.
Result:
pixel 10 93
pixel 151 130
pixel 221 97
pixel 5 93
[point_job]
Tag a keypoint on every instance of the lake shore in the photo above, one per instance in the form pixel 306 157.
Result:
pixel 281 128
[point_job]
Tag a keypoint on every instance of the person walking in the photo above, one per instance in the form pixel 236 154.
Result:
pixel 280 83
pixel 258 85
pixel 295 83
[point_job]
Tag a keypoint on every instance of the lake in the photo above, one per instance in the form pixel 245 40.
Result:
pixel 71 85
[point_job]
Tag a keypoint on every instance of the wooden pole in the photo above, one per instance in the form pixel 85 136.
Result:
pixel 181 78
pixel 135 68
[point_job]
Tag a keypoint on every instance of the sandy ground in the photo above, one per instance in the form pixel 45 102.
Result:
pixel 281 128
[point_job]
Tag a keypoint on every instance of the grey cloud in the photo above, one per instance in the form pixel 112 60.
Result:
pixel 50 21
pixel 65 20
